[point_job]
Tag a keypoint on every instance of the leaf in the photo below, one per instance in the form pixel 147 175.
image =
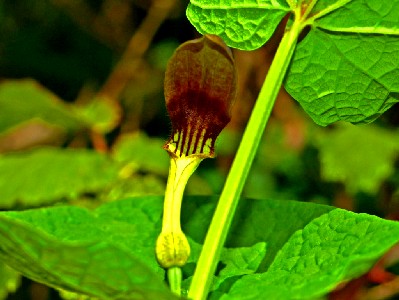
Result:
pixel 310 248
pixel 234 262
pixel 23 100
pixel 142 153
pixel 266 221
pixel 286 226
pixel 101 114
pixel 46 175
pixel 376 151
pixel 240 261
pixel 98 254
pixel 9 280
pixel 108 223
pixel 245 25
pixel 347 67
pixel 335 247
pixel 255 221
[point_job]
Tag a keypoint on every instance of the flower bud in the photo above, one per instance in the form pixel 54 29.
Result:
pixel 200 86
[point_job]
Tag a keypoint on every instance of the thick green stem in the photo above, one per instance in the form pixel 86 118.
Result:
pixel 228 201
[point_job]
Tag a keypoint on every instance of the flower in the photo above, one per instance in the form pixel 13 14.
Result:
pixel 200 87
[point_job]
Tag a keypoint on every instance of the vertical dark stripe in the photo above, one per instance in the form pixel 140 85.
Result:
pixel 177 141
pixel 182 150
pixel 198 133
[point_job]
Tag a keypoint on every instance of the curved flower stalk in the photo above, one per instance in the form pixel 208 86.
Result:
pixel 200 86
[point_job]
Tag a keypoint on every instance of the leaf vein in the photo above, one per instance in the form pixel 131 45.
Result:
pixel 239 6
pixel 362 30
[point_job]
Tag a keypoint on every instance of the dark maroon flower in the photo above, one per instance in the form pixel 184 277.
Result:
pixel 200 86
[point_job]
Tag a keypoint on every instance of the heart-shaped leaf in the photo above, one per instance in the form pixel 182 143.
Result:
pixel 347 67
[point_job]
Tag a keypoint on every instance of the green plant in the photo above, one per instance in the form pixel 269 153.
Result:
pixel 327 97
pixel 280 249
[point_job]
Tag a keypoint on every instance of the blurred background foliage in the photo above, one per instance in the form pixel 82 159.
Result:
pixel 82 121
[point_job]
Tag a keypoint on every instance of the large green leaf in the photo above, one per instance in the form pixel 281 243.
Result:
pixel 372 162
pixel 98 254
pixel 46 175
pixel 246 24
pixel 24 100
pixel 347 67
pixel 289 225
pixel 335 247
pixel 310 248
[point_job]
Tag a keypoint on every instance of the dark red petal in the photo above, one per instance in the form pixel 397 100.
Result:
pixel 200 86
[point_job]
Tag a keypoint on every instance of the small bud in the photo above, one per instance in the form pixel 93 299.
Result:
pixel 200 86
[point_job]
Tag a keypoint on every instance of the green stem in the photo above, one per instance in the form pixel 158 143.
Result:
pixel 174 278
pixel 229 198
